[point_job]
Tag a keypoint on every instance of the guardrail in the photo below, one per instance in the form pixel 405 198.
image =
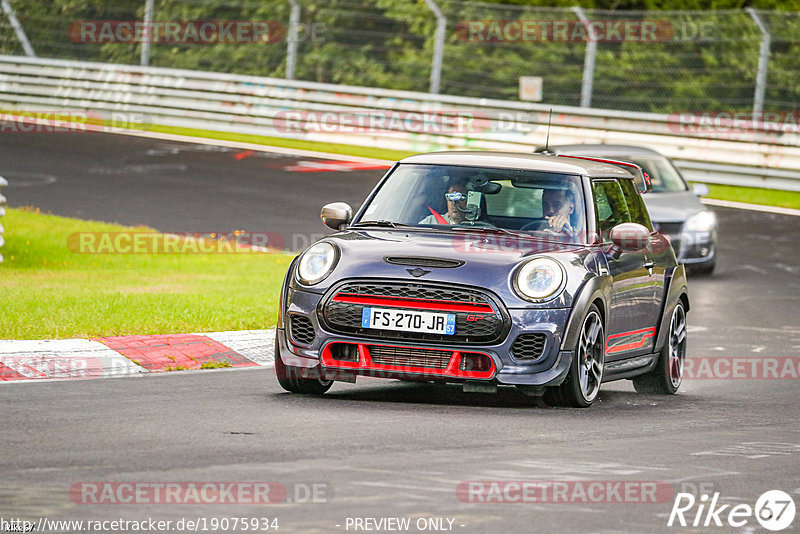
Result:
pixel 3 183
pixel 765 155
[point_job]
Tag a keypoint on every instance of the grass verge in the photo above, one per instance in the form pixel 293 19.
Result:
pixel 331 148
pixel 753 195
pixel 48 290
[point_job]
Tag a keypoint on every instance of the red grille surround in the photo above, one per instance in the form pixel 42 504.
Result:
pixel 479 318
pixel 415 303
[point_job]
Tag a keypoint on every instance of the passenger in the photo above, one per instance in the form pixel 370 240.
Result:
pixel 456 204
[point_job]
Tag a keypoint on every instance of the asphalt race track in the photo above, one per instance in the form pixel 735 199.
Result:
pixel 386 449
pixel 174 187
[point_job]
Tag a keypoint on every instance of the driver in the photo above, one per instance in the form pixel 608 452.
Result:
pixel 456 204
pixel 558 205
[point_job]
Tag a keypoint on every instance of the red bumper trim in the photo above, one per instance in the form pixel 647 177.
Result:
pixel 365 364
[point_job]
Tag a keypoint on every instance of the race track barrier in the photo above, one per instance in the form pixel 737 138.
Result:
pixel 760 155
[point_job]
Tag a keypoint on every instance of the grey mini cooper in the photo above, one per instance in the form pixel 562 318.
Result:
pixel 489 270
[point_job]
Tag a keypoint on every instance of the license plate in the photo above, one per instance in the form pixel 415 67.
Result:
pixel 409 321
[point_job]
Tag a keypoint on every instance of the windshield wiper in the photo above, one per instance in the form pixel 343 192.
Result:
pixel 495 229
pixel 383 223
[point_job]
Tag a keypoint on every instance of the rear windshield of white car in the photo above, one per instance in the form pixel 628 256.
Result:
pixel 663 174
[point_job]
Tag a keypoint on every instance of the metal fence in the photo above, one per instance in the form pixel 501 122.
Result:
pixel 651 61
pixel 108 97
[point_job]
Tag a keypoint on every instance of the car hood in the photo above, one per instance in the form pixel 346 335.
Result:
pixel 674 206
pixel 484 260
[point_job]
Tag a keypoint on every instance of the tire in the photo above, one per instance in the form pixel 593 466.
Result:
pixel 582 384
pixel 290 378
pixel 666 378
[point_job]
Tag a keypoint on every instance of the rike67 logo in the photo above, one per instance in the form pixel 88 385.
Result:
pixel 774 510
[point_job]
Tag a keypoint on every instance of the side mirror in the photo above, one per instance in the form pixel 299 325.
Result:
pixel 630 236
pixel 336 214
pixel 701 190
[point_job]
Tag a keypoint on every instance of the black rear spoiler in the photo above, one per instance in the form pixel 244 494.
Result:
pixel 640 178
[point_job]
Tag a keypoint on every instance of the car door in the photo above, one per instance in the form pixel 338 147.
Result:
pixel 656 254
pixel 631 319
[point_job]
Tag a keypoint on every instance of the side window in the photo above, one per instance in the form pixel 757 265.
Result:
pixel 610 205
pixel 601 203
pixel 636 206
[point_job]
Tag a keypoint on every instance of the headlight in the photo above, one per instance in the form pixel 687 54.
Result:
pixel 539 279
pixel 316 263
pixel 703 221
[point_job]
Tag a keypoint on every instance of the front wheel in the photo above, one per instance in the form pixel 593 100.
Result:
pixel 582 384
pixel 290 378
pixel 666 378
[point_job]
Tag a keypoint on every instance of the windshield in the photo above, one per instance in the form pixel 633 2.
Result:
pixel 663 174
pixel 546 205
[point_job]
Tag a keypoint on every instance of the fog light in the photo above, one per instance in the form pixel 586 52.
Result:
pixel 475 362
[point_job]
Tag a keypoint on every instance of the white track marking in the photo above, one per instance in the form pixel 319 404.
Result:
pixel 65 358
pixel 753 450
pixel 252 146
pixel 255 345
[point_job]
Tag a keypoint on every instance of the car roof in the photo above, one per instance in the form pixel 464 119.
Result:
pixel 519 160
pixel 600 150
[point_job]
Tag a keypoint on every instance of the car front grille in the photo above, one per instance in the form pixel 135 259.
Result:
pixel 301 329
pixel 418 291
pixel 672 231
pixel 484 325
pixel 528 346
pixel 669 228
pixel 409 357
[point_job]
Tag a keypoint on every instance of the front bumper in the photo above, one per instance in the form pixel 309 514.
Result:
pixel 694 247
pixel 339 356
